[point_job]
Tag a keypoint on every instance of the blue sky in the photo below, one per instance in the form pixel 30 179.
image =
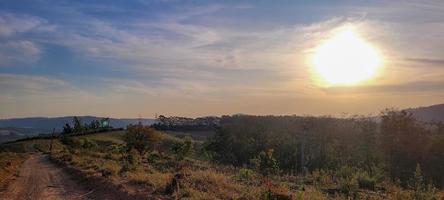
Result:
pixel 194 58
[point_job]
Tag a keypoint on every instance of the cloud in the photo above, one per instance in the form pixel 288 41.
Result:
pixel 11 24
pixel 24 85
pixel 21 51
pixel 427 62
pixel 15 48
pixel 411 88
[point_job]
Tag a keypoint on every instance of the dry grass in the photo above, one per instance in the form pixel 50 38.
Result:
pixel 310 193
pixel 213 184
pixel 155 179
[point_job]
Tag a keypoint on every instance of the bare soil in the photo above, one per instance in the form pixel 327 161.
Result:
pixel 40 179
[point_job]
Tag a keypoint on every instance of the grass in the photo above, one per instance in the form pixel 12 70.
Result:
pixel 114 137
pixel 210 183
pixel 155 179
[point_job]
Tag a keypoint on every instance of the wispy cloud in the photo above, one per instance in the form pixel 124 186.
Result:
pixel 21 51
pixel 22 85
pixel 12 25
pixel 15 47
pixel 422 87
pixel 427 62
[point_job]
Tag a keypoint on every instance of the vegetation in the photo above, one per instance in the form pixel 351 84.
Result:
pixel 265 157
pixel 140 138
pixel 79 127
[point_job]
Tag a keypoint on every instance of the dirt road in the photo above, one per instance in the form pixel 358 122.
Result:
pixel 40 179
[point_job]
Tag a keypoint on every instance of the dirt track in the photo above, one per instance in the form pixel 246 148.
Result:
pixel 40 179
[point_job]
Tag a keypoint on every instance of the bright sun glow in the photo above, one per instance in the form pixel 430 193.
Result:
pixel 346 59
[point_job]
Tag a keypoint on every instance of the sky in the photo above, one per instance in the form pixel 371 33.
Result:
pixel 201 58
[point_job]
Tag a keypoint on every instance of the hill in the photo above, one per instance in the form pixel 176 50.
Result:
pixel 429 113
pixel 12 133
pixel 20 127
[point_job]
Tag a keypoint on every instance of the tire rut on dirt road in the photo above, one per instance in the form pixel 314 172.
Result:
pixel 41 179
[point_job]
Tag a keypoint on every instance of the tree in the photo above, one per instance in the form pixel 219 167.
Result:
pixel 219 147
pixel 104 123
pixel 78 127
pixel 141 138
pixel 95 124
pixel 404 142
pixel 368 144
pixel 67 129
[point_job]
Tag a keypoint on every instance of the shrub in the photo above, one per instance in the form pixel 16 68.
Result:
pixel 183 148
pixel 266 164
pixel 130 161
pixel 140 138
pixel 153 157
pixel 319 177
pixel 245 174
pixel 348 186
pixel 421 190
pixel 366 182
pixel 347 180
pixel 346 172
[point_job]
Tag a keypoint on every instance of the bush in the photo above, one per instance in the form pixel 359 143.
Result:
pixel 348 186
pixel 346 172
pixel 319 178
pixel 182 149
pixel 245 174
pixel 265 163
pixel 153 157
pixel 366 182
pixel 140 138
pixel 130 161
pixel 347 180
pixel 421 190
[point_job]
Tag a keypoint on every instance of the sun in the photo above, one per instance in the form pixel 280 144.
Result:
pixel 346 58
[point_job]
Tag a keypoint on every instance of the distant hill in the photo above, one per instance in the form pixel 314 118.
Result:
pixel 12 133
pixel 36 125
pixel 429 113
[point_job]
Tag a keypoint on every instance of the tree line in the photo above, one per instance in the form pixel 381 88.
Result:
pixel 79 127
pixel 395 144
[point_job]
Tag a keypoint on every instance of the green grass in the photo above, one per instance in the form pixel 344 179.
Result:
pixel 114 137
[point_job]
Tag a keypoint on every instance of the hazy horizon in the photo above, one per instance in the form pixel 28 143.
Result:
pixel 210 58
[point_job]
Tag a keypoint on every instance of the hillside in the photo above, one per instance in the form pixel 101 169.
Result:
pixel 12 133
pixel 16 128
pixel 429 113
pixel 249 157
pixel 45 124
